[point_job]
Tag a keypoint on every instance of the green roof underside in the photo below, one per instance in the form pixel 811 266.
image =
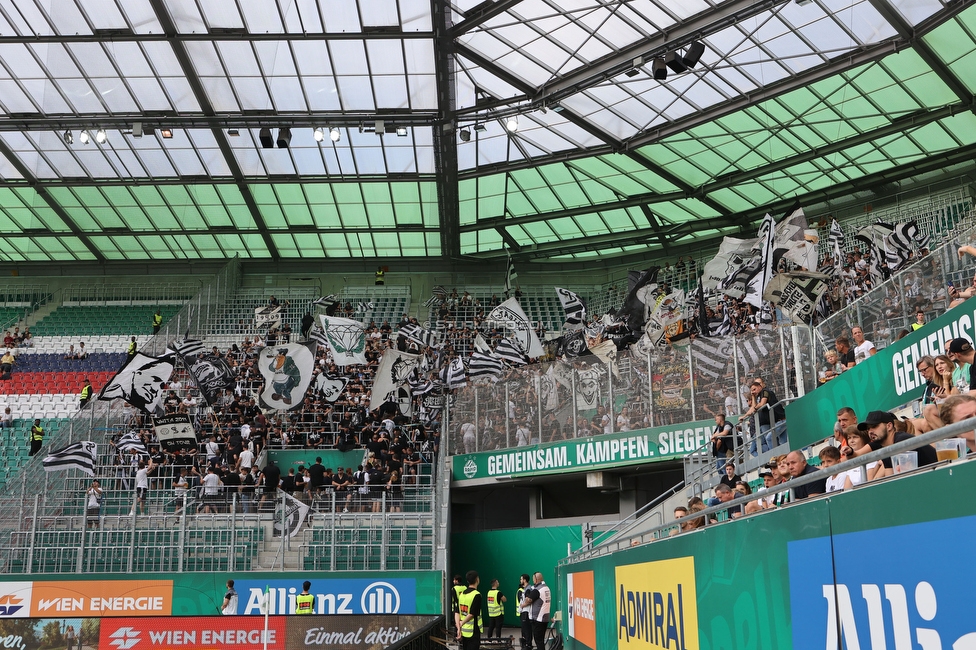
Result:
pixel 789 103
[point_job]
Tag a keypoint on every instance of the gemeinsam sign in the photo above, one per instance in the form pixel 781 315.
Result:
pixel 586 454
pixel 883 382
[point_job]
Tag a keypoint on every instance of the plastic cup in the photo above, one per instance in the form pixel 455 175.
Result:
pixel 905 462
pixel 950 448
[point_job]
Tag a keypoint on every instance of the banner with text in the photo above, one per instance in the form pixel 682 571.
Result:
pixel 586 454
pixel 883 382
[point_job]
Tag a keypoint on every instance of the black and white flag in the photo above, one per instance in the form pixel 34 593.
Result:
pixel 81 456
pixel 875 236
pixel 420 386
pixel 415 333
pixel 749 281
pixel 391 375
pixel 511 277
pixel 509 351
pixel 482 366
pixel 267 317
pixel 130 441
pixel 454 375
pixel 635 309
pixel 287 371
pixel 364 306
pixel 346 338
pixel 510 315
pixel 752 351
pixel 175 432
pixel 574 307
pixel 437 294
pixel 796 294
pixel 330 386
pixel 210 372
pixel 288 520
pixel 836 243
pixel 140 382
pixel 711 355
pixel 732 254
pixel 900 243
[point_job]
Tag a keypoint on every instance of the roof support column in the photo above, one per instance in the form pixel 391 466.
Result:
pixel 445 140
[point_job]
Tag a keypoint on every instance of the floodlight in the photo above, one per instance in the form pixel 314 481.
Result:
pixel 284 137
pixel 68 138
pixel 334 134
pixel 401 131
pixel 267 142
pixel 166 133
pixel 480 128
pixel 101 136
pixel 675 62
pixel 318 134
pixel 694 54
pixel 465 135
pixel 512 124
pixel 659 69
pixel 85 137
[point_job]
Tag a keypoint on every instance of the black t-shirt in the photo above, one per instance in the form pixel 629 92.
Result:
pixel 817 487
pixel 272 476
pixel 316 472
pixel 926 453
pixel 847 358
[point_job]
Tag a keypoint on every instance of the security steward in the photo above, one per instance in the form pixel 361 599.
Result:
pixel 86 394
pixel 456 590
pixel 131 351
pixel 304 601
pixel 496 610
pixel 36 437
pixel 157 322
pixel 469 608
pixel 526 639
pixel 380 276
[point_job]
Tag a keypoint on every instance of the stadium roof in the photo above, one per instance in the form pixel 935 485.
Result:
pixel 811 101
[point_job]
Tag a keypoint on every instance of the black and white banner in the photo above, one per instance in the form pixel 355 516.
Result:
pixel 290 521
pixel 211 373
pixel 80 456
pixel 796 294
pixel 287 371
pixel 511 316
pixel 346 338
pixel 330 386
pixel 131 442
pixel 175 432
pixel 508 351
pixel 267 317
pixel 482 365
pixel 391 375
pixel 574 307
pixel 140 382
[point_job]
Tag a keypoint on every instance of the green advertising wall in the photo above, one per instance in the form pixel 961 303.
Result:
pixel 762 582
pixel 586 454
pixel 293 458
pixel 883 382
pixel 507 554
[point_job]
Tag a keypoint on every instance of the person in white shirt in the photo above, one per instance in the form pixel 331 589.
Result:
pixel 211 491
pixel 862 347
pixel 245 460
pixel 7 419
pixel 468 437
pixel 142 484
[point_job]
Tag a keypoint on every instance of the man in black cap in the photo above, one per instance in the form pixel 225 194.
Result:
pixel 880 426
pixel 961 351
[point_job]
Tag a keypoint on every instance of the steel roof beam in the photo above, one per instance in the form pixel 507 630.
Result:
pixel 124 36
pixel 445 132
pixel 200 93
pixel 58 209
pixel 155 121
pixel 481 14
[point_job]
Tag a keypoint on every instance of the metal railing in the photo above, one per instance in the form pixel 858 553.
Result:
pixel 718 514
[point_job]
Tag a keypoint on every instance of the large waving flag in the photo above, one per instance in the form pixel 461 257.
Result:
pixel 510 314
pixel 80 456
pixel 209 372
pixel 287 371
pixel 574 307
pixel 346 338
pixel 140 382
pixel 391 374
